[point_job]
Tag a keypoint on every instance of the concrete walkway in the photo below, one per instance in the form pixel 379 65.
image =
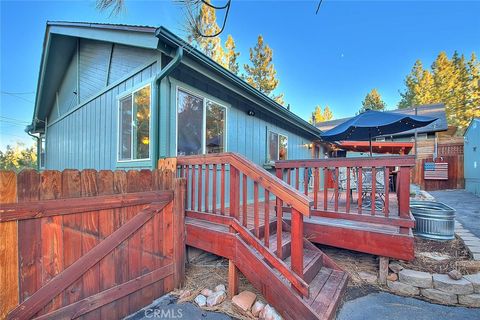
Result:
pixel 467 205
pixel 382 305
pixel 167 307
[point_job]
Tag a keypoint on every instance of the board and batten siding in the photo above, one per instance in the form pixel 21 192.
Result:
pixel 84 136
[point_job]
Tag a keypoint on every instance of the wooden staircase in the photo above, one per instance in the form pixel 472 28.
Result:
pixel 294 276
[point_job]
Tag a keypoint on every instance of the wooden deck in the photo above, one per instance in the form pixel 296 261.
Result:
pixel 265 236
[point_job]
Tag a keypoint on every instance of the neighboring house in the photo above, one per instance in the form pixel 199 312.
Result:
pixel 472 157
pixel 427 137
pixel 119 96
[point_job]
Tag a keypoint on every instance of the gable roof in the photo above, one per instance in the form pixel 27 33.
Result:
pixel 430 110
pixel 61 36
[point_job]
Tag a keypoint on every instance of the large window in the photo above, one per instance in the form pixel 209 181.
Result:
pixel 201 125
pixel 134 126
pixel 277 147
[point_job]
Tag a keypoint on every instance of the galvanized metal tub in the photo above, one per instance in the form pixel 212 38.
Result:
pixel 433 220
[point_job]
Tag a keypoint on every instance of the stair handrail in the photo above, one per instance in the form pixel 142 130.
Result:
pixel 286 195
pixel 289 195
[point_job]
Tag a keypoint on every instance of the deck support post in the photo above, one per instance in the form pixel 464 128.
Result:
pixel 383 270
pixel 232 279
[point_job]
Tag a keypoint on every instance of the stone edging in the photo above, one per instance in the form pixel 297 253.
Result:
pixel 471 241
pixel 439 288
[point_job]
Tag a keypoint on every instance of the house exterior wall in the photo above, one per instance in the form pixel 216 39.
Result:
pixel 472 158
pixel 82 130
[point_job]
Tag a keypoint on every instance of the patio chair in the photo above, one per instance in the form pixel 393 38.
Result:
pixel 367 183
pixel 342 181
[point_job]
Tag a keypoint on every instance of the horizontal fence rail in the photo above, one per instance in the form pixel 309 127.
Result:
pixel 229 185
pixel 88 244
pixel 358 189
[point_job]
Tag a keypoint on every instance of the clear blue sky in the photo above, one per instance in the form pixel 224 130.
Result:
pixel 332 58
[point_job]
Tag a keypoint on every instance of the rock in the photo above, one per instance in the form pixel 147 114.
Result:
pixel 220 287
pixel 368 277
pixel 392 277
pixel 206 292
pixel 415 278
pixel 216 298
pixel 269 313
pixel 475 280
pixel 257 308
pixel 439 296
pixel 470 300
pixel 185 294
pixel 395 267
pixel 201 300
pixel 402 288
pixel 443 283
pixel 244 300
pixel 455 274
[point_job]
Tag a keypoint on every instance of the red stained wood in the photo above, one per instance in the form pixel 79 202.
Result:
pixel 279 227
pixel 207 187
pixel 214 190
pixel 390 161
pixel 8 247
pixel 297 243
pixel 244 199
pixel 348 191
pixel 179 232
pixel 256 220
pixel 232 279
pixel 222 191
pixel 60 282
pixel 360 189
pixel 29 236
pixel 374 190
pixel 325 188
pixel 52 234
pixel 297 178
pixel 59 207
pixel 305 181
pixel 192 193
pixel 267 218
pixel 110 295
pixel 316 183
pixel 200 187
pixel 336 188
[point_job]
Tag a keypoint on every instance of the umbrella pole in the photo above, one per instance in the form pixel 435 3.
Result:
pixel 370 140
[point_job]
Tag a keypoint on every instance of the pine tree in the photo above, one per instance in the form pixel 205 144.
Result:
pixel 473 93
pixel 205 23
pixel 319 115
pixel 231 55
pixel 419 87
pixel 261 73
pixel 373 101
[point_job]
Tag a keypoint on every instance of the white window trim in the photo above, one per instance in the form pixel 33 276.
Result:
pixel 204 117
pixel 278 145
pixel 120 97
pixel 43 165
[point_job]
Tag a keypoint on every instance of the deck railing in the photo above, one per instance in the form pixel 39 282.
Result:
pixel 363 184
pixel 229 185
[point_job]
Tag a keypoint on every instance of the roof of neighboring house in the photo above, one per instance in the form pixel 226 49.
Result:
pixel 430 110
pixel 64 34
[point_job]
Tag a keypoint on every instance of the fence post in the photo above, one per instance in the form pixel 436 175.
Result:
pixel 234 193
pixel 179 231
pixel 8 247
pixel 297 243
pixel 403 195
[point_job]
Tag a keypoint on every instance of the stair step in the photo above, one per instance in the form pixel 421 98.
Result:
pixel 312 263
pixel 325 290
pixel 286 243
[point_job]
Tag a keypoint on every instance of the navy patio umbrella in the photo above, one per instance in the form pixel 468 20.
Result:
pixel 371 124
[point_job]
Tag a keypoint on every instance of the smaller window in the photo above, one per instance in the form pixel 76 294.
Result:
pixel 134 126
pixel 277 147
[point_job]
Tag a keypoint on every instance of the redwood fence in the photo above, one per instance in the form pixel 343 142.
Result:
pixel 88 244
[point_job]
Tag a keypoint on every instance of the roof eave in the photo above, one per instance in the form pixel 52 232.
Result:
pixel 174 40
